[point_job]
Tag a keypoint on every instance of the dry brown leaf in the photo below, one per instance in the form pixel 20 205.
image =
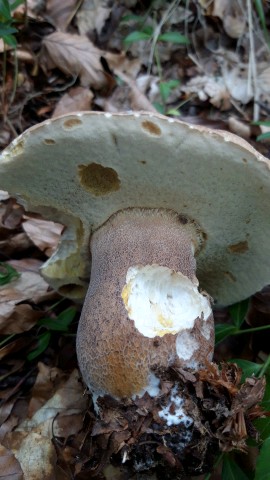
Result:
pixel 230 13
pixel 11 214
pixel 232 17
pixel 35 454
pixel 30 286
pixel 60 415
pixel 27 264
pixel 61 13
pixel 43 233
pixel 14 243
pixel 263 84
pixel 45 385
pixel 121 64
pixel 77 99
pixel 137 99
pixel 92 16
pixel 239 128
pixel 68 400
pixel 209 87
pixel 74 55
pixel 8 426
pixel 9 465
pixel 16 319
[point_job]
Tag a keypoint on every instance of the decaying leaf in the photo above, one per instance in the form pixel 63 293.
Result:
pixel 77 99
pixel 67 402
pixel 232 15
pixel 92 16
pixel 61 415
pixel 35 454
pixel 15 316
pixel 43 233
pixel 9 466
pixel 76 56
pixel 61 13
pixel 209 87
pixel 47 381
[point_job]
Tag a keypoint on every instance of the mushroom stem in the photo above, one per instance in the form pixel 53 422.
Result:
pixel 143 297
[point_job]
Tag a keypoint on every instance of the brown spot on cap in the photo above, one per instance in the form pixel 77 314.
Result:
pixel 49 141
pixel 183 219
pixel 98 180
pixel 151 128
pixel 240 247
pixel 72 123
pixel 230 276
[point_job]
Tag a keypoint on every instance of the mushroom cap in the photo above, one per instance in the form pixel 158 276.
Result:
pixel 82 168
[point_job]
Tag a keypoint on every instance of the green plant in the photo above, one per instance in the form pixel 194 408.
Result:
pixel 7 22
pixel 155 36
pixel 263 136
pixel 7 273
pixel 58 324
pixel 260 12
pixel 230 468
pixel 237 314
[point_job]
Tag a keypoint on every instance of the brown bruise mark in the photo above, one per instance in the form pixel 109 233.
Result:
pixel 230 276
pixel 143 162
pixel 123 381
pixel 244 160
pixel 151 128
pixel 72 123
pixel 240 247
pixel 98 180
pixel 114 139
pixel 49 141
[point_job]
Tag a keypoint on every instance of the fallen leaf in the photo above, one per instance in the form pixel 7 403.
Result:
pixel 91 16
pixel 15 316
pixel 11 214
pixel 74 55
pixel 138 100
pixel 68 400
pixel 209 87
pixel 61 13
pixel 48 378
pixel 77 99
pixel 16 319
pixel 239 128
pixel 9 466
pixel 43 233
pixel 35 454
pixel 231 14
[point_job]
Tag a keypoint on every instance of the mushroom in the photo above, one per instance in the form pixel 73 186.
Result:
pixel 154 194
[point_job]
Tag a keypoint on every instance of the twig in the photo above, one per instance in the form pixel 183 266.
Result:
pixel 252 66
pixel 157 31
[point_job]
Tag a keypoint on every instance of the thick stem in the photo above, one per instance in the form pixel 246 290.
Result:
pixel 142 312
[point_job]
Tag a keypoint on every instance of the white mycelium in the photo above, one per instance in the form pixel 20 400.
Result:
pixel 160 300
pixel 173 413
pixel 186 345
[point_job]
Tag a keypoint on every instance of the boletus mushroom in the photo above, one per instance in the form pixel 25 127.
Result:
pixel 171 211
